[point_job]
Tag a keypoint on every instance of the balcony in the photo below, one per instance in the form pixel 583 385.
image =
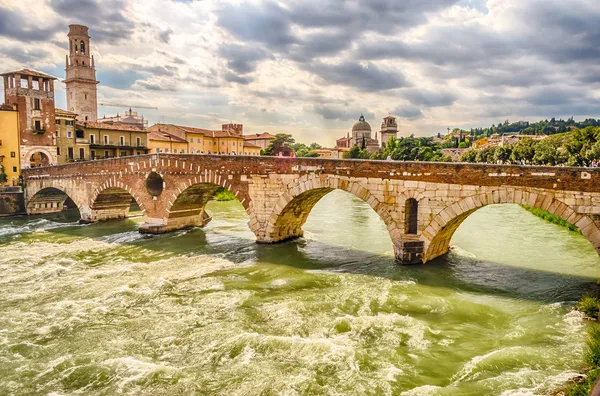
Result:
pixel 38 131
pixel 117 145
pixel 82 140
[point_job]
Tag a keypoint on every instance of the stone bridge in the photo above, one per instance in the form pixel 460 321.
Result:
pixel 421 203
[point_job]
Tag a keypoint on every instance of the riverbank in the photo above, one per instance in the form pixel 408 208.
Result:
pixel 589 305
pixel 552 218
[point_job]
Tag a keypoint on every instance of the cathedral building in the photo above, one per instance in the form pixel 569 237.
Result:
pixel 81 76
pixel 361 135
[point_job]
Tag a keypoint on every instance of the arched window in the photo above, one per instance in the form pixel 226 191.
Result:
pixel 411 216
pixel 82 45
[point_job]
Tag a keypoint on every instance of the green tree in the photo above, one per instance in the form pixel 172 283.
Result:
pixel 354 152
pixel 502 154
pixel 584 146
pixel 523 151
pixel 281 142
pixel 549 151
pixel 469 156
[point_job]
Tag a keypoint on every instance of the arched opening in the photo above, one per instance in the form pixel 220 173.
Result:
pixel 339 221
pixel 189 208
pixel 38 159
pixel 82 45
pixel 444 225
pixel 52 200
pixel 115 203
pixel 288 223
pixel 411 216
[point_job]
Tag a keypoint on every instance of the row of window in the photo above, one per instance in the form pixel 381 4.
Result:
pixel 67 122
pixel 138 140
pixel 198 140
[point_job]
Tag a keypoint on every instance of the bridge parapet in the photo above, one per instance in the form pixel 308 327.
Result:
pixel 421 203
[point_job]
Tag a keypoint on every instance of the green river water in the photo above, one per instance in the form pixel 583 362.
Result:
pixel 102 310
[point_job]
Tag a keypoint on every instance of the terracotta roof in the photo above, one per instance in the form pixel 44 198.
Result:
pixel 6 107
pixel 64 112
pixel 250 145
pixel 28 72
pixel 111 127
pixel 224 134
pixel 165 137
pixel 264 135
pixel 343 139
pixel 193 130
pixel 207 132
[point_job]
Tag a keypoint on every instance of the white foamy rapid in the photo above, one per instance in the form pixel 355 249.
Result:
pixel 104 310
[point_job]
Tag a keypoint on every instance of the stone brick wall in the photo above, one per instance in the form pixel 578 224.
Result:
pixel 279 193
pixel 11 201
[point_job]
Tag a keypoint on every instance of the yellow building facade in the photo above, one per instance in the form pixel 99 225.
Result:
pixel 112 140
pixel 169 138
pixel 10 156
pixel 70 143
pixel 159 142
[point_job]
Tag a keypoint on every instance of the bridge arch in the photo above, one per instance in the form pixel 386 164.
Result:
pixel 112 200
pixel 51 199
pixel 439 232
pixel 186 204
pixel 294 206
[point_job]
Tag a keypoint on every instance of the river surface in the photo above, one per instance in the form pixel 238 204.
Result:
pixel 102 310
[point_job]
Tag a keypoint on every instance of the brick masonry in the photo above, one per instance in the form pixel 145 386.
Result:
pixel 11 201
pixel 279 193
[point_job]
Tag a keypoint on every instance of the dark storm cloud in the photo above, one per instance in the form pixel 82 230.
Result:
pixel 368 78
pixel 242 59
pixel 265 23
pixel 315 29
pixel 106 19
pixel 166 70
pixel 420 97
pixel 23 55
pixel 155 86
pixel 383 16
pixel 16 26
pixel 165 35
pixel 232 77
pixel 329 112
pixel 545 34
pixel 408 112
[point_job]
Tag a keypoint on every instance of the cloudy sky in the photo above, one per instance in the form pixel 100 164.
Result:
pixel 310 67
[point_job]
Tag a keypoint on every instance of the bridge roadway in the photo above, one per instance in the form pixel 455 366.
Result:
pixel 421 203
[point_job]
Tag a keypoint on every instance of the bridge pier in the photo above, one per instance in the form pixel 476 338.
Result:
pixel 164 225
pixel 409 250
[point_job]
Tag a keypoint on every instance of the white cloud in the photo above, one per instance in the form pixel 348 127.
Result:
pixel 313 64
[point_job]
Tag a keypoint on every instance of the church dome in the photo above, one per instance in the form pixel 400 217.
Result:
pixel 361 125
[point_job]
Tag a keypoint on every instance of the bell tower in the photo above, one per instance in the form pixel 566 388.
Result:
pixel 81 75
pixel 389 129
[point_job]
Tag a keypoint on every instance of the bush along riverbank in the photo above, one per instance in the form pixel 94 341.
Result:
pixel 552 218
pixel 224 194
pixel 590 306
